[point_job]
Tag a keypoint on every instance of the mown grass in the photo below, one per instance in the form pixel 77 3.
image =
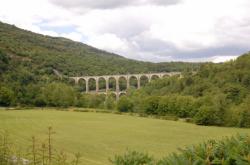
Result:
pixel 99 136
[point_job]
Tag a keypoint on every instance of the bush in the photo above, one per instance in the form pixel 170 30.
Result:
pixel 181 106
pixel 95 101
pixel 124 104
pixel 208 115
pixel 239 115
pixel 229 151
pixel 150 105
pixel 6 96
pixel 133 158
pixel 58 94
pixel 82 101
pixel 110 102
pixel 212 110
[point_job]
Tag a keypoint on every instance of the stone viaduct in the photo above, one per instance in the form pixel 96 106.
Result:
pixel 127 77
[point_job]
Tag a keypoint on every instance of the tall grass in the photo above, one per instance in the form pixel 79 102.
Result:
pixel 37 153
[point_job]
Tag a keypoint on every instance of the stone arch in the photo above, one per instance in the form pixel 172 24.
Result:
pixel 133 81
pixel 144 79
pixel 92 83
pixel 73 81
pixel 154 77
pixel 102 84
pixel 122 81
pixel 111 83
pixel 82 84
pixel 166 75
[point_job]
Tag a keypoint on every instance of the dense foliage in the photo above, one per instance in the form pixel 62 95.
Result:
pixel 229 151
pixel 34 66
pixel 218 94
pixel 133 158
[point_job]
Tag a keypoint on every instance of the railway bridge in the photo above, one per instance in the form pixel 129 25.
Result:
pixel 127 77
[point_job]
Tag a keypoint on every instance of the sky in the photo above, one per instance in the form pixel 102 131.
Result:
pixel 148 30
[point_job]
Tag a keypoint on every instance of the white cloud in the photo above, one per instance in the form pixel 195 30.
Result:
pixel 108 41
pixel 73 36
pixel 109 4
pixel 190 30
pixel 218 59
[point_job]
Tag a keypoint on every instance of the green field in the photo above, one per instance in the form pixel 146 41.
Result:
pixel 99 136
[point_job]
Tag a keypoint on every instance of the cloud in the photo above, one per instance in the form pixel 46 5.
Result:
pixel 109 4
pixel 218 59
pixel 149 30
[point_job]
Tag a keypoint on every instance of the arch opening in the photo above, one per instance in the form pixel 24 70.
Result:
pixel 92 84
pixel 155 77
pixel 81 86
pixel 112 84
pixel 133 82
pixel 102 84
pixel 144 80
pixel 122 83
pixel 165 76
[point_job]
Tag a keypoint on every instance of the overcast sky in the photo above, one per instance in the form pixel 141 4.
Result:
pixel 149 30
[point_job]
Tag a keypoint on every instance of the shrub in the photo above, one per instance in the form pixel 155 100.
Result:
pixel 6 96
pixel 110 102
pixel 208 115
pixel 150 105
pixel 239 115
pixel 125 104
pixel 229 151
pixel 58 94
pixel 212 110
pixel 133 158
pixel 95 101
pixel 181 106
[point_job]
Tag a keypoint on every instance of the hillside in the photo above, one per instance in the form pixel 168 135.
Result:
pixel 218 94
pixel 30 62
pixel 43 54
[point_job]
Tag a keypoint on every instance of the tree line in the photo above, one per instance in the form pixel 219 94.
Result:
pixel 218 94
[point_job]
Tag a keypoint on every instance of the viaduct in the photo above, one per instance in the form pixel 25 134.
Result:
pixel 127 77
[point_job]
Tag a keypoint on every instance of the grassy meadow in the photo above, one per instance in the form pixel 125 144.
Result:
pixel 99 136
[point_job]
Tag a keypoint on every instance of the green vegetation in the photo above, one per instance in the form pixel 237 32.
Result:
pixel 37 153
pixel 229 151
pixel 35 70
pixel 218 94
pixel 31 63
pixel 100 136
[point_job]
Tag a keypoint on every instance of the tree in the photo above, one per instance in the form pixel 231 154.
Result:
pixel 240 115
pixel 124 104
pixel 212 110
pixel 150 105
pixel 59 94
pixel 4 61
pixel 6 96
pixel 110 102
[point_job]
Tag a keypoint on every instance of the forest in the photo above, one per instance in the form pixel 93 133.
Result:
pixel 34 71
pixel 218 94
